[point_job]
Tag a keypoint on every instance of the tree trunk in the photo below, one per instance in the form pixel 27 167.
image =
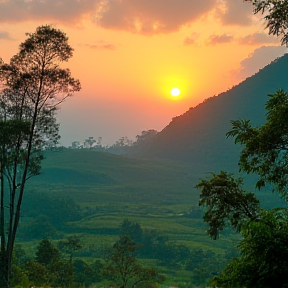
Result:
pixel 4 270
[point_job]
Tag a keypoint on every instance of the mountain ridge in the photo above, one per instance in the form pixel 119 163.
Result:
pixel 198 135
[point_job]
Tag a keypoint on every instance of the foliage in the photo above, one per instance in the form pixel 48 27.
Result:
pixel 56 271
pixel 264 253
pixel 263 259
pixel 38 228
pixel 59 210
pixel 46 253
pixel 32 86
pixel 133 230
pixel 276 16
pixel 123 268
pixel 265 149
pixel 226 203
pixel 70 246
pixel 87 274
pixel 37 273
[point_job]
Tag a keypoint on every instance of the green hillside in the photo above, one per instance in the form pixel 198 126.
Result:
pixel 158 194
pixel 198 135
pixel 106 190
pixel 109 188
pixel 92 177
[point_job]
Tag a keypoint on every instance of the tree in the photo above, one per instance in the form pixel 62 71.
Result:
pixel 87 274
pixel 146 136
pixel 264 255
pixel 123 268
pixel 70 246
pixel 46 253
pixel 133 230
pixel 59 272
pixel 276 16
pixel 36 272
pixel 226 203
pixel 32 87
pixel 263 259
pixel 265 151
pixel 88 143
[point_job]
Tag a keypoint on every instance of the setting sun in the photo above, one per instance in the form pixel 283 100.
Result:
pixel 175 92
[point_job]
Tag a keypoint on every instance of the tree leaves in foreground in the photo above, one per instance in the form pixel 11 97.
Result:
pixel 226 203
pixel 264 255
pixel 32 86
pixel 265 149
pixel 264 247
pixel 276 16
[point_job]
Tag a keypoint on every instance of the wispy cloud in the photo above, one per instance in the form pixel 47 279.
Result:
pixel 219 39
pixel 192 40
pixel 103 46
pixel 257 38
pixel 235 12
pixel 259 58
pixel 5 35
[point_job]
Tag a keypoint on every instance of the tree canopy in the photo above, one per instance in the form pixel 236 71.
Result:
pixel 264 253
pixel 32 87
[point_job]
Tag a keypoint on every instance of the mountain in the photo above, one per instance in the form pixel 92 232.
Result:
pixel 199 135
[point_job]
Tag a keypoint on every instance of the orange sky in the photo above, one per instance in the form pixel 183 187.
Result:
pixel 129 54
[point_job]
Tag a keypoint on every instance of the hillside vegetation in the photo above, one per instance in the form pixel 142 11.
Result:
pixel 198 136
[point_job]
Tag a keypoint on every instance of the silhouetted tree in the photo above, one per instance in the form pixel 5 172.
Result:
pixel 276 16
pixel 32 86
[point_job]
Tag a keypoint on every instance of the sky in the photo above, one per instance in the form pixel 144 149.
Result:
pixel 129 54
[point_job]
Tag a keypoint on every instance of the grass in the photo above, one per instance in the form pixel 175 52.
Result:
pixel 155 193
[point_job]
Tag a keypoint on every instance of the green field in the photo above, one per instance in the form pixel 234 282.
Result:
pixel 157 194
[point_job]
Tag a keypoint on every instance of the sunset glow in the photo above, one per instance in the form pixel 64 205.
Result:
pixel 127 68
pixel 175 92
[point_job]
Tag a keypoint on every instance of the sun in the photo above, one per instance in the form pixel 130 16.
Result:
pixel 175 92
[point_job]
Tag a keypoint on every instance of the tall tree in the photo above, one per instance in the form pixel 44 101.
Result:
pixel 32 87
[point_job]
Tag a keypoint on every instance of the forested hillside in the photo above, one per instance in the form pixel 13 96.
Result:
pixel 198 136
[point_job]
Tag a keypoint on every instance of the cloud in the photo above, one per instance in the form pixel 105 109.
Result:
pixel 151 16
pixel 257 60
pixel 103 46
pixel 235 12
pixel 140 16
pixel 258 38
pixel 67 11
pixel 191 40
pixel 5 35
pixel 219 39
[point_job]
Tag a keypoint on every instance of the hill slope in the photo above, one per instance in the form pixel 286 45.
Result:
pixel 198 136
pixel 92 177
